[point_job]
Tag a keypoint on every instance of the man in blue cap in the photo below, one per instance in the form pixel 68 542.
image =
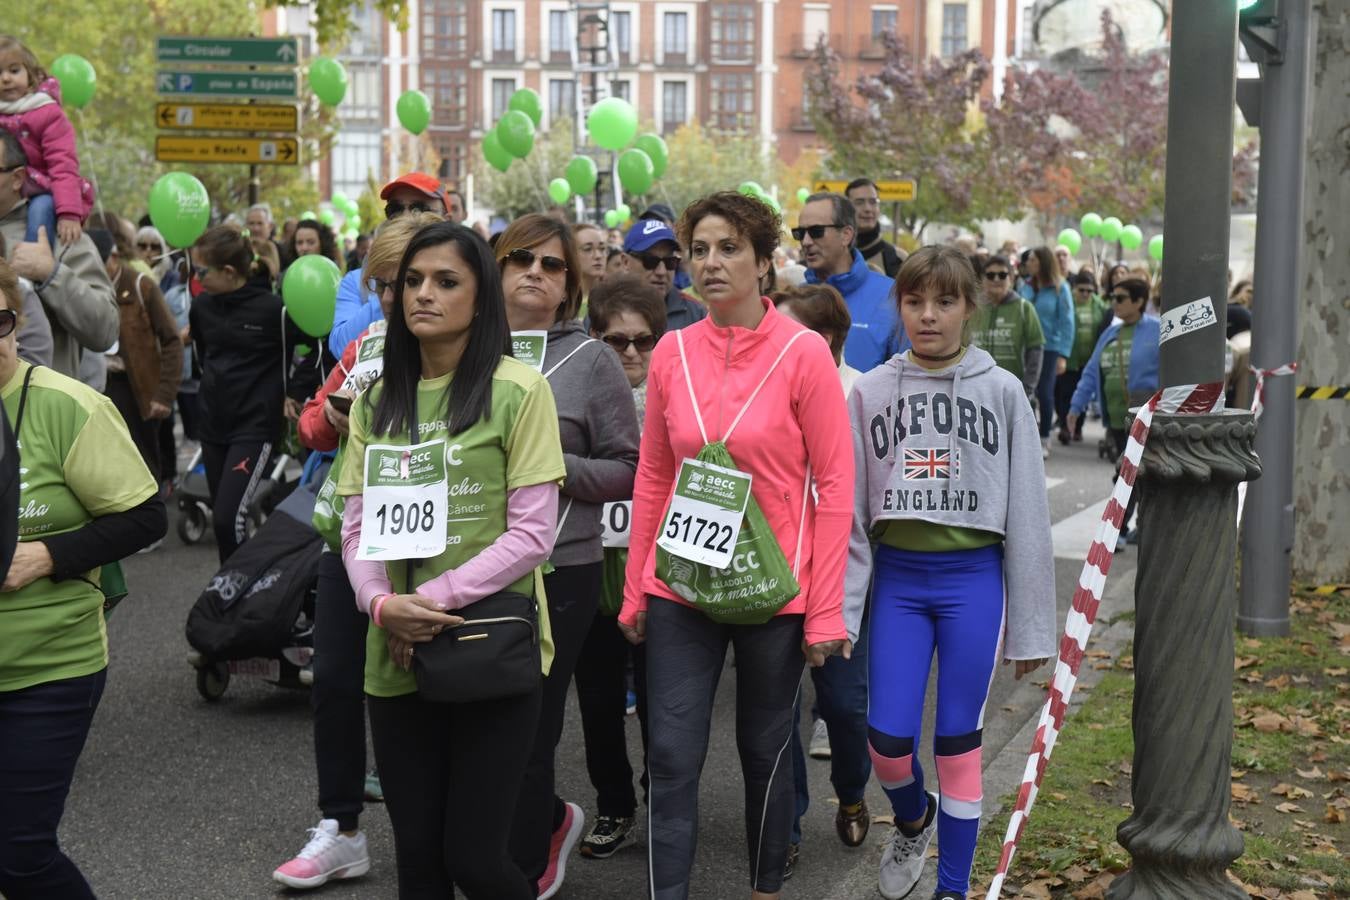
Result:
pixel 650 249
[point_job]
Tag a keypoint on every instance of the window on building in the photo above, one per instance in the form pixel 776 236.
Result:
pixel 621 28
pixel 454 159
pixel 675 34
pixel 559 33
pixel 953 29
pixel 503 32
pixel 502 89
pixel 883 20
pixel 733 28
pixel 562 98
pixel 449 91
pixel 362 103
pixel 356 156
pixel 621 88
pixel 674 105
pixel 445 28
pixel 815 25
pixel 365 33
pixel 732 101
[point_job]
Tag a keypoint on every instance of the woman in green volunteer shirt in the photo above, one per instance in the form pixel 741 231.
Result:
pixel 1090 318
pixel 541 283
pixel 1007 326
pixel 86 499
pixel 451 772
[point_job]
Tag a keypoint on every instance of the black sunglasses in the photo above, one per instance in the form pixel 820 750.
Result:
pixel 816 231
pixel 1121 298
pixel 644 343
pixel 996 276
pixel 9 319
pixel 650 261
pixel 525 258
pixel 377 285
pixel 144 246
pixel 391 210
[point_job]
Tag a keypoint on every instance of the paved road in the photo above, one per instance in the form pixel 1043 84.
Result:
pixel 178 798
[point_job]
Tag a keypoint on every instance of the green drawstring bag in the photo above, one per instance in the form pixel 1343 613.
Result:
pixel 612 580
pixel 327 518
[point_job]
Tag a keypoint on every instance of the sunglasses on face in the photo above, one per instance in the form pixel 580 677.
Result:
pixel 995 276
pixel 1082 290
pixel 525 258
pixel 816 231
pixel 9 319
pixel 643 342
pixel 149 247
pixel 650 261
pixel 392 210
pixel 1121 298
pixel 377 286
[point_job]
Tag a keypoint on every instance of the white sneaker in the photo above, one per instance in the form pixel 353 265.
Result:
pixel 902 860
pixel 820 741
pixel 1045 449
pixel 328 855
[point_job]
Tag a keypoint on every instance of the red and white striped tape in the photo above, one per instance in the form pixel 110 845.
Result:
pixel 1258 407
pixel 1184 400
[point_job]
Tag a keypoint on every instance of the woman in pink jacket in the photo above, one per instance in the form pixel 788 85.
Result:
pixel 768 387
pixel 30 108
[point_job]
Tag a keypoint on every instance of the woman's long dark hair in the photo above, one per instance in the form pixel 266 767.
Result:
pixel 469 395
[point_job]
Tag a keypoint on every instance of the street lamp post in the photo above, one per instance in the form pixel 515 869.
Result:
pixel 1178 835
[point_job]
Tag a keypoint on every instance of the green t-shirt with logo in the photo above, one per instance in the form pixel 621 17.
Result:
pixel 1006 331
pixel 1115 365
pixel 517 445
pixel 76 462
pixel 1086 317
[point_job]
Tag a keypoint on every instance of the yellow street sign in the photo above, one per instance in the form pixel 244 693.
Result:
pixel 901 191
pixel 267 151
pixel 227 117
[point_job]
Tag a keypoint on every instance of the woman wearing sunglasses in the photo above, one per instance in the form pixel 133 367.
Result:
pixel 541 281
pixel 1007 327
pixel 86 500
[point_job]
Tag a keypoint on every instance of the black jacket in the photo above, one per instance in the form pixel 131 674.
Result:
pixel 870 244
pixel 244 340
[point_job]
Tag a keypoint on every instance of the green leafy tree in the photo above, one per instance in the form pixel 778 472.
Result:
pixel 523 188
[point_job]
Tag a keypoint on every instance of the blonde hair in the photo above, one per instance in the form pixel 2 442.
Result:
pixel 386 251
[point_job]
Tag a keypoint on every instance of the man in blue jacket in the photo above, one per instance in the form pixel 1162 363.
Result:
pixel 826 229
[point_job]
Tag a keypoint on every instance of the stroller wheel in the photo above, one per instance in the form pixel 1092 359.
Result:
pixel 191 523
pixel 212 680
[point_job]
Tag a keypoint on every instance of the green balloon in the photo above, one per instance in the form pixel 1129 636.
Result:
pixel 802 194
pixel 1091 224
pixel 624 212
pixel 495 153
pixel 527 100
pixel 414 111
pixel 636 173
pixel 1071 239
pixel 180 208
pixel 1111 227
pixel 582 174
pixel 1155 247
pixel 328 80
pixel 612 218
pixel 309 290
pixel 559 190
pixel 354 220
pixel 612 123
pixel 751 189
pixel 309 214
pixel 655 147
pixel 1131 237
pixel 340 200
pixel 327 217
pixel 77 78
pixel 515 132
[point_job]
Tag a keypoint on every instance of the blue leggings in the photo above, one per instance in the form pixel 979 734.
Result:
pixel 953 603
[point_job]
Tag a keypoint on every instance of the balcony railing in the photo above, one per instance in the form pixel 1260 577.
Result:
pixel 675 57
pixel 503 54
pixel 804 46
pixel 871 46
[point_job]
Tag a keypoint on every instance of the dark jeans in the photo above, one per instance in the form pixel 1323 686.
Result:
pixel 685 654
pixel 1045 392
pixel 602 695
pixel 42 732
pixel 232 475
pixel 841 699
pixel 41 214
pixel 144 432
pixel 338 696
pixel 573 597
pixel 1064 388
pixel 451 773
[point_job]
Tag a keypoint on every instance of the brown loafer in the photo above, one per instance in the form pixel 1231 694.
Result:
pixel 852 827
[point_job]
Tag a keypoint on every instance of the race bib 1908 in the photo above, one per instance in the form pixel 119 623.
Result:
pixel 405 496
pixel 705 514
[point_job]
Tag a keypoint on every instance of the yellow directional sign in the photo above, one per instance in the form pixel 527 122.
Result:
pixel 227 117
pixel 266 151
pixel 901 191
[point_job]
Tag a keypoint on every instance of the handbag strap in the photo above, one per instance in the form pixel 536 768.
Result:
pixel 560 362
pixel 689 383
pixel 23 403
pixel 562 520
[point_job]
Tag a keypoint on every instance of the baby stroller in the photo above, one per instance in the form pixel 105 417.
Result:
pixel 256 617
pixel 194 498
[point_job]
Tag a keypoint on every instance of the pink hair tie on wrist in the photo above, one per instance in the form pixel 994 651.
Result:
pixel 375 608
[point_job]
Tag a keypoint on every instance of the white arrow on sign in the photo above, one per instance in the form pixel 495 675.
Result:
pixel 285 52
pixel 165 81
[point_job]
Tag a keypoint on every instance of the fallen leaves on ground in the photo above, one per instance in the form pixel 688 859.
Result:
pixel 1292 791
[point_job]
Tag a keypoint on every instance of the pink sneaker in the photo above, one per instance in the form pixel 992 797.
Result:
pixel 559 848
pixel 328 855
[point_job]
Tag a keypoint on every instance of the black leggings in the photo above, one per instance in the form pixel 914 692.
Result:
pixel 450 774
pixel 144 432
pixel 1064 388
pixel 338 696
pixel 232 475
pixel 602 695
pixel 685 654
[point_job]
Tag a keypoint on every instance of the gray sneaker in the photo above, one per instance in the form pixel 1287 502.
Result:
pixel 820 741
pixel 902 860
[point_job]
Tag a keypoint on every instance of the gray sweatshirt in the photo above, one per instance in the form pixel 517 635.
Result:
pixel 599 430
pixel 958 447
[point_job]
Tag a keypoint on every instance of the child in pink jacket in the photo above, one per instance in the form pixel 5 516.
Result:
pixel 30 109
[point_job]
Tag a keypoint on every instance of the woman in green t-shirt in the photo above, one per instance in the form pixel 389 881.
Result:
pixel 450 771
pixel 1090 316
pixel 85 500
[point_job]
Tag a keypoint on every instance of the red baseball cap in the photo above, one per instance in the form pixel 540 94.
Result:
pixel 418 181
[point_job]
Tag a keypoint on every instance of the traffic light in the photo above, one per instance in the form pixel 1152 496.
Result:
pixel 1261 31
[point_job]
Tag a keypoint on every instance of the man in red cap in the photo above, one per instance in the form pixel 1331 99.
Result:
pixel 356 309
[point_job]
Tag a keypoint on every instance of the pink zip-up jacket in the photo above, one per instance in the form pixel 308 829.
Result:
pixel 48 140
pixel 799 418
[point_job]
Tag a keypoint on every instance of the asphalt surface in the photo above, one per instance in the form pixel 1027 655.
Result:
pixel 179 798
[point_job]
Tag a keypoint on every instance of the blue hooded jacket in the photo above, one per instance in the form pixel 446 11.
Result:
pixel 354 313
pixel 877 333
pixel 1055 307
pixel 1143 369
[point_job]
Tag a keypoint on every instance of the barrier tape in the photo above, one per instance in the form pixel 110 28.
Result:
pixel 1331 392
pixel 1259 407
pixel 1184 400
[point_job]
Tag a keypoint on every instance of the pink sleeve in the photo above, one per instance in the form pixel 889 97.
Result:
pixel 531 518
pixel 651 489
pixel 63 166
pixel 368 577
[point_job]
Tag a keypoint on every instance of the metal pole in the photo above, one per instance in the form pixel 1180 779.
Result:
pixel 1263 604
pixel 1179 837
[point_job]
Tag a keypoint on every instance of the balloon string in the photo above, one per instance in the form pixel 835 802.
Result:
pixel 93 175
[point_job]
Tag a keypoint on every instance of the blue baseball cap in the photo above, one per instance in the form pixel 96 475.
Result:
pixel 647 233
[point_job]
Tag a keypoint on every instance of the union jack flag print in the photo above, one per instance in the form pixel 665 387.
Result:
pixel 922 465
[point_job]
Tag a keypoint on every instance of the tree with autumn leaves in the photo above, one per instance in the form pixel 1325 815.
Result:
pixel 1056 145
